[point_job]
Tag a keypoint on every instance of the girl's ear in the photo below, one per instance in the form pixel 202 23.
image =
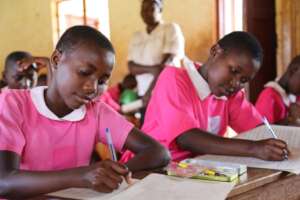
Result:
pixel 216 50
pixel 55 58
pixel 4 76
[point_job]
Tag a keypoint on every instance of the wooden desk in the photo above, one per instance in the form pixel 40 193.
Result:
pixel 265 184
pixel 257 184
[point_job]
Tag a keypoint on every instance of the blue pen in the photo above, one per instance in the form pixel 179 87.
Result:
pixel 114 155
pixel 266 122
pixel 110 145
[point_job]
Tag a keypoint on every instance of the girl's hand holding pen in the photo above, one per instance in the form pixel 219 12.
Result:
pixel 271 149
pixel 269 127
pixel 105 176
pixel 127 176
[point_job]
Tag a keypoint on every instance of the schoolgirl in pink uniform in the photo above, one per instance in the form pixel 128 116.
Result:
pixel 48 134
pixel 280 100
pixel 191 107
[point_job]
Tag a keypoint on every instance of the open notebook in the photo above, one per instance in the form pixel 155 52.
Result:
pixel 289 134
pixel 82 193
pixel 156 186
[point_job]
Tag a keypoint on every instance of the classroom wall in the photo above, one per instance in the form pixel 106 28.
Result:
pixel 194 16
pixel 288 32
pixel 25 25
pixel 29 25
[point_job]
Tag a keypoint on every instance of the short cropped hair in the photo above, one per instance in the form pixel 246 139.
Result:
pixel 242 41
pixel 160 3
pixel 77 35
pixel 15 56
pixel 295 63
pixel 130 81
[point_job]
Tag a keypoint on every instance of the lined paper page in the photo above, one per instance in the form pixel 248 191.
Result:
pixel 157 186
pixel 289 134
pixel 88 194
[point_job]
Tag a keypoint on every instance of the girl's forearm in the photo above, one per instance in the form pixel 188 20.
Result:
pixel 21 184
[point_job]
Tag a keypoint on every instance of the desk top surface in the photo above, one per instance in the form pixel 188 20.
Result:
pixel 254 178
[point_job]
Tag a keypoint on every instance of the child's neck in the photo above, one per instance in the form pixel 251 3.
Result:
pixel 203 71
pixel 51 97
pixel 283 82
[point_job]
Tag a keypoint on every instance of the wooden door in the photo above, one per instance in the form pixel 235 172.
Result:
pixel 259 19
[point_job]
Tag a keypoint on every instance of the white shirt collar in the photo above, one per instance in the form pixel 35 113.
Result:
pixel 200 84
pixel 37 96
pixel 155 29
pixel 4 88
pixel 287 98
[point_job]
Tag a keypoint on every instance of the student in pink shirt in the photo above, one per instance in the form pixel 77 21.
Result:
pixel 280 100
pixel 191 107
pixel 47 134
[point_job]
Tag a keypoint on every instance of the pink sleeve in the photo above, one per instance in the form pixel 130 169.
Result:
pixel 170 110
pixel 11 119
pixel 118 125
pixel 114 92
pixel 242 114
pixel 107 98
pixel 270 105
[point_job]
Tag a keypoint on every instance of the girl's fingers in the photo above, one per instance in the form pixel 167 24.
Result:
pixel 128 178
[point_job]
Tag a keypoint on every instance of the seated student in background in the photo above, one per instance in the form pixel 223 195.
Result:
pixel 280 100
pixel 20 70
pixel 112 96
pixel 129 83
pixel 47 134
pixel 192 106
